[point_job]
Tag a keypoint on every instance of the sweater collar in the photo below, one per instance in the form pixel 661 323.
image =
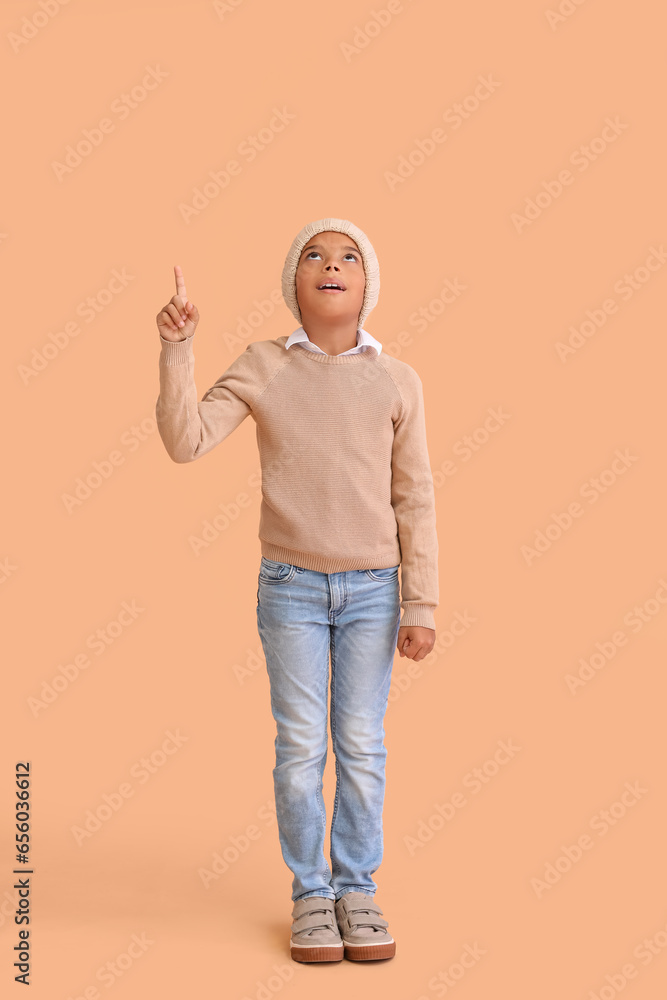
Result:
pixel 364 339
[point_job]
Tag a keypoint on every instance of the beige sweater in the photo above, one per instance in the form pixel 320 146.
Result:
pixel 346 478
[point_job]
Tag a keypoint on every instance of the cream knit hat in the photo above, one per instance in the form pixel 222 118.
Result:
pixel 371 266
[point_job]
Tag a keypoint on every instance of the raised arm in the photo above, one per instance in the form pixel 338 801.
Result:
pixel 188 428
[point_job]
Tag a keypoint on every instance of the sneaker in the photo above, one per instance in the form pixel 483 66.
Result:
pixel 315 935
pixel 363 931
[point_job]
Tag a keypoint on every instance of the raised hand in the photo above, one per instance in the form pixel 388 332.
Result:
pixel 178 319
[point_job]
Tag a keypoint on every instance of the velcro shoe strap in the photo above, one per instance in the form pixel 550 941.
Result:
pixel 355 922
pixel 309 921
pixel 358 905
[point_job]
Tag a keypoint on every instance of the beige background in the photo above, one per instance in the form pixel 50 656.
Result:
pixel 190 660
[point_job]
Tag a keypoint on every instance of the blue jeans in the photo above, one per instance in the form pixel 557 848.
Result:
pixel 303 617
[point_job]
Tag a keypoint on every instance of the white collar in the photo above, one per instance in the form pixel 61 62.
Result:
pixel 363 338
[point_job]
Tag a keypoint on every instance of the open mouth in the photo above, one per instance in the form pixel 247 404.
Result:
pixel 331 287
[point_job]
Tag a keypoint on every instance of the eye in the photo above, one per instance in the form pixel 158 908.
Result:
pixel 353 256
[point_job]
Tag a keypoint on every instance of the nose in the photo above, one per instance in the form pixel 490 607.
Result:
pixel 332 265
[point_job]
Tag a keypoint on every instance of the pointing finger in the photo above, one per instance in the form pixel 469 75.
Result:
pixel 180 283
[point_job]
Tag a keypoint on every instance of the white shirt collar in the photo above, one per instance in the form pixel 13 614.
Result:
pixel 364 341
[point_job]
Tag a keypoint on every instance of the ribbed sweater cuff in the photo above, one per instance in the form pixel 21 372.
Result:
pixel 175 352
pixel 418 614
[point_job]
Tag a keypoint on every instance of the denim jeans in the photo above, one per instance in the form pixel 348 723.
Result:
pixel 303 618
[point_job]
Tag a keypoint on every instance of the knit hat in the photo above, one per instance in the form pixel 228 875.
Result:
pixel 371 266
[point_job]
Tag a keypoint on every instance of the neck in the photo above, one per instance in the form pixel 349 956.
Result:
pixel 333 336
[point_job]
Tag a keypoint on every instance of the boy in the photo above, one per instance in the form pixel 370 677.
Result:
pixel 347 497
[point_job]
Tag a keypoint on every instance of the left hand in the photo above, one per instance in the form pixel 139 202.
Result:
pixel 415 641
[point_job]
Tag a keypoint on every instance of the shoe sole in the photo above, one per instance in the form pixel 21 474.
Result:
pixel 316 953
pixel 369 952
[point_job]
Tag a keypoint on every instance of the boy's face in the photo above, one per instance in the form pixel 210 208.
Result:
pixel 330 258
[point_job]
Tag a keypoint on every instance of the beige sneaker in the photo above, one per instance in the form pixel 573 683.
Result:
pixel 364 932
pixel 315 935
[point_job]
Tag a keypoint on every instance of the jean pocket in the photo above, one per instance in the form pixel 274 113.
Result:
pixel 383 575
pixel 275 572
